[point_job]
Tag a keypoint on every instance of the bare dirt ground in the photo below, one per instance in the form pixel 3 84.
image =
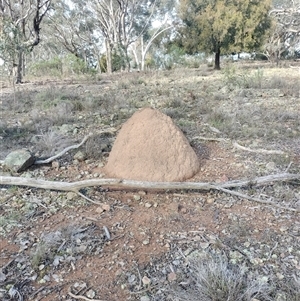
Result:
pixel 138 244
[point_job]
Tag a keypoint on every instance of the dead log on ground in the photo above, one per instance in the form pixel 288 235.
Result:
pixel 131 184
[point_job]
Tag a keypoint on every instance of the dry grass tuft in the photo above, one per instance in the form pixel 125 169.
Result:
pixel 214 279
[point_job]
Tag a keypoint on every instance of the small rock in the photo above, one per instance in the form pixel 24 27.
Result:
pixel 148 205
pixel 99 210
pixel 55 165
pixel 145 298
pixel 284 228
pixel 172 277
pixel 204 245
pixel 90 294
pixel 146 242
pixel 131 278
pixel 46 278
pixel 2 276
pixel 137 197
pixel 19 160
pixel 210 201
pixel 106 207
pixel 146 280
pixel 80 156
pixel 71 195
pixel 279 276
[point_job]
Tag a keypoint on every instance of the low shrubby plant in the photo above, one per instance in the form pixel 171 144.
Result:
pixel 213 278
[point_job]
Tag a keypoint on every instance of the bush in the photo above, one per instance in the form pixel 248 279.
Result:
pixel 52 67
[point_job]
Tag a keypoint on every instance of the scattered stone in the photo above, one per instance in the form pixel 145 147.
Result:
pixel 131 278
pixel 283 228
pixel 71 195
pixel 150 147
pixel 145 298
pixel 210 201
pixel 55 165
pixel 47 278
pixel 146 242
pixel 148 205
pixel 106 207
pixel 80 156
pixel 19 160
pixel 2 276
pixel 90 294
pixel 204 245
pixel 99 210
pixel 136 197
pixel 146 280
pixel 172 277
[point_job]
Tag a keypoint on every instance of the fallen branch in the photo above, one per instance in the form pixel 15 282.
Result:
pixel 49 160
pixel 258 151
pixel 238 146
pixel 257 200
pixel 63 151
pixel 210 139
pixel 119 184
pixel 80 296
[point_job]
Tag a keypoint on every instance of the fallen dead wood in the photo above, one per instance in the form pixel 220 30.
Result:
pixel 131 184
pixel 49 160
pixel 258 151
pixel 238 146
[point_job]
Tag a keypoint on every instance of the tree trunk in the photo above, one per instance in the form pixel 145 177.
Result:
pixel 19 74
pixel 217 59
pixel 108 57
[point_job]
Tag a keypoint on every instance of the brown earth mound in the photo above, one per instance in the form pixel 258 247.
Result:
pixel 150 147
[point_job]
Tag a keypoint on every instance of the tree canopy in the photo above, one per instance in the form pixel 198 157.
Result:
pixel 223 25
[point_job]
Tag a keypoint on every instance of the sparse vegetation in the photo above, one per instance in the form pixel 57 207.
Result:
pixel 213 278
pixel 250 250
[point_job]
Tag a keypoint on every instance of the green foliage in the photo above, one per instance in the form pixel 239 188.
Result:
pixel 243 79
pixel 53 67
pixel 223 25
pixel 74 64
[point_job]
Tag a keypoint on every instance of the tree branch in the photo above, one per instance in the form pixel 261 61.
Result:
pixel 131 184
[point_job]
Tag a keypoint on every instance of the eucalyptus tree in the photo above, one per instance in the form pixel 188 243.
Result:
pixel 72 25
pixel 123 22
pixel 20 30
pixel 223 25
pixel 285 34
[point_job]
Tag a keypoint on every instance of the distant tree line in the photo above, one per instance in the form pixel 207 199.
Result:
pixel 110 35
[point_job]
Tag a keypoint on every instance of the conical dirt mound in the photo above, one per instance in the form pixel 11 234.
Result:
pixel 150 147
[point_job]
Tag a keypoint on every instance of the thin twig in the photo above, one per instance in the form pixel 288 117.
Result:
pixel 289 166
pixel 254 199
pixel 258 151
pixel 63 151
pixel 210 139
pixel 87 198
pixel 80 296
